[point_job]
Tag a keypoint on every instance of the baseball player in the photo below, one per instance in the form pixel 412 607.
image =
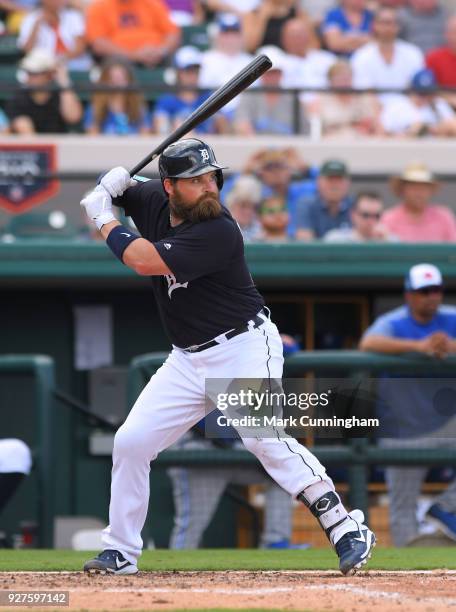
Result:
pixel 219 327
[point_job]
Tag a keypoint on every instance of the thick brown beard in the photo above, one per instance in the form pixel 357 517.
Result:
pixel 206 207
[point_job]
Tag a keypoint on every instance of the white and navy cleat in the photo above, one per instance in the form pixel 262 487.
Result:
pixel 110 562
pixel 354 546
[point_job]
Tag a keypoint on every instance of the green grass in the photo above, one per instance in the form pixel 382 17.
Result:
pixel 226 559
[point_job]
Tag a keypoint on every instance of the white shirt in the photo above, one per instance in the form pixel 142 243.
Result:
pixel 217 68
pixel 400 114
pixel 308 71
pixel 243 6
pixel 371 70
pixel 71 26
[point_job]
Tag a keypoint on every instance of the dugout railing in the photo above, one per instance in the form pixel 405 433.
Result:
pixel 42 369
pixel 358 454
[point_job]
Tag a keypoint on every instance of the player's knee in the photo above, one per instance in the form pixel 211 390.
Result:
pixel 124 442
pixel 16 456
pixel 254 445
pixel 129 442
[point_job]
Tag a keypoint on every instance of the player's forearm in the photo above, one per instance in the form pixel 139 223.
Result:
pixel 140 255
pixel 392 346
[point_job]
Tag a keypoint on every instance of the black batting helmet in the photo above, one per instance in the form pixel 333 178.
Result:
pixel 189 157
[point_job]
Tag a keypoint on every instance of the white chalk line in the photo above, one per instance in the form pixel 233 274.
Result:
pixel 349 588
pixel 217 591
pixel 385 594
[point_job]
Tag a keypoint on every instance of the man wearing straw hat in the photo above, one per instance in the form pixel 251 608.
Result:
pixel 415 218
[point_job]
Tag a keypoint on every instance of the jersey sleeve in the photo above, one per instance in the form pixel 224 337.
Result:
pixel 201 249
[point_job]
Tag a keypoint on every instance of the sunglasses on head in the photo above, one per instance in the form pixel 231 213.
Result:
pixel 429 290
pixel 368 215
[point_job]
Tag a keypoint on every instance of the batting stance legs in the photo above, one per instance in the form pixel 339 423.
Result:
pixel 173 401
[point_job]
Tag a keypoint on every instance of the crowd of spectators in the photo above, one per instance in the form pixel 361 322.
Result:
pixel 324 50
pixel 279 198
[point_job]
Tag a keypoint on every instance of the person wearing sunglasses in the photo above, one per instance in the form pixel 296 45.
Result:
pixel 274 219
pixel 416 411
pixel 365 217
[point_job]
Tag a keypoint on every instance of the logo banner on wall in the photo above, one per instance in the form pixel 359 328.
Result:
pixel 25 180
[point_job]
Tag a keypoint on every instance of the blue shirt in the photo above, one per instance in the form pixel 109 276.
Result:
pixel 313 214
pixel 174 107
pixel 410 407
pixel 337 17
pixel 296 191
pixel 117 123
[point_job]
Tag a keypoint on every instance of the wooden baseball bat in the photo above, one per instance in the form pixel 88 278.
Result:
pixel 215 102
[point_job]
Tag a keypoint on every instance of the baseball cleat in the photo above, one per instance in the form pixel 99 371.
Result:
pixel 110 562
pixel 445 521
pixel 354 547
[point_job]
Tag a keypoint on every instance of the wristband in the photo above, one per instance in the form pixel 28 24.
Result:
pixel 119 238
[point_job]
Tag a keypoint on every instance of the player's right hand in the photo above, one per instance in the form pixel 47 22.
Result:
pixel 98 206
pixel 116 181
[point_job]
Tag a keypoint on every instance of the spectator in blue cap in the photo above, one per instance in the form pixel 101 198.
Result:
pixel 226 56
pixel 171 109
pixel 423 113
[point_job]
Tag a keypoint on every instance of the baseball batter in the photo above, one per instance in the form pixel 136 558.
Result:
pixel 218 324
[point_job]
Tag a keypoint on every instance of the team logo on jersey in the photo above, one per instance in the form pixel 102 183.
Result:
pixel 173 284
pixel 167 245
pixel 204 155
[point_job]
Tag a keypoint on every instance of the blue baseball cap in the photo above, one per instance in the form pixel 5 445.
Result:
pixel 424 80
pixel 227 22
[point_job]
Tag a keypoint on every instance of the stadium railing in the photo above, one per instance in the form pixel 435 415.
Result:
pixel 359 453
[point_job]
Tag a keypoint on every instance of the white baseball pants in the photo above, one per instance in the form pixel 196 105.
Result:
pixel 171 403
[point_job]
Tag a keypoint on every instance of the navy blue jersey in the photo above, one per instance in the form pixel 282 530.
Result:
pixel 210 289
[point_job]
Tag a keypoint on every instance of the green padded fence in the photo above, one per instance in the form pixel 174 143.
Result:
pixel 358 454
pixel 42 369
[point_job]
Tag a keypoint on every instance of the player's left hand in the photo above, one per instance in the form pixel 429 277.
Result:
pixel 116 181
pixel 98 206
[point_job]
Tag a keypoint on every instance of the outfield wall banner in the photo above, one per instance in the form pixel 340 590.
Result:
pixel 26 176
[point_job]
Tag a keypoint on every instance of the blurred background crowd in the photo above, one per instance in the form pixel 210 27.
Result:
pixel 341 70
pixel 322 53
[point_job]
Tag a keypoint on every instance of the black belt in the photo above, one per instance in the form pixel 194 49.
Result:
pixel 257 321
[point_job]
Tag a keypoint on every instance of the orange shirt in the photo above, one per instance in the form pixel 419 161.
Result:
pixel 130 24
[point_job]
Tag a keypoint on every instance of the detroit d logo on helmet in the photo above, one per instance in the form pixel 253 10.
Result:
pixel 204 155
